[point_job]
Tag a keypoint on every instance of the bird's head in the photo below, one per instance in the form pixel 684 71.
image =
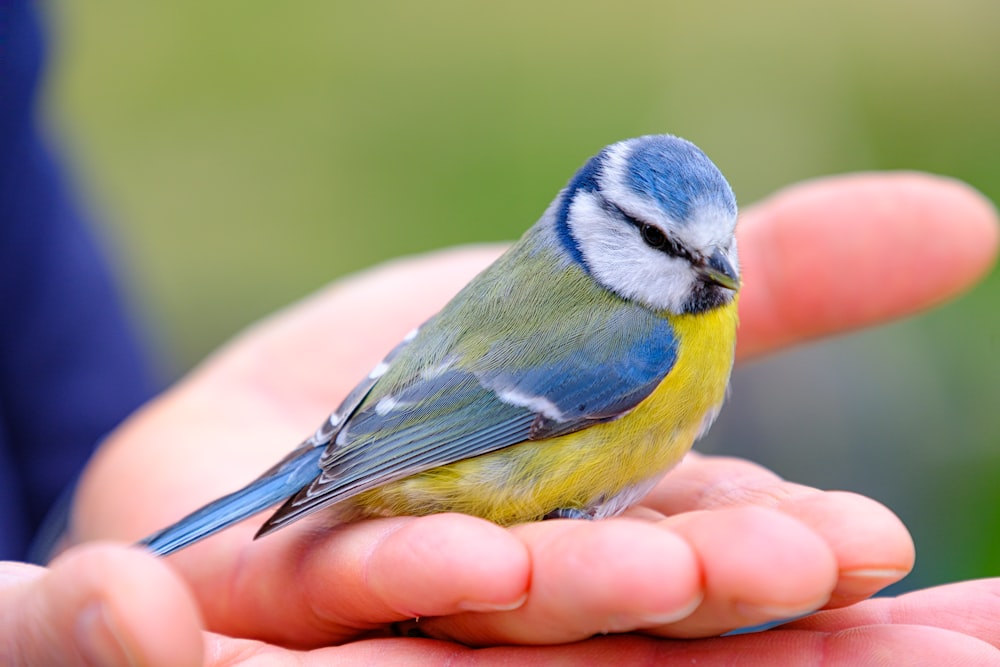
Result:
pixel 652 219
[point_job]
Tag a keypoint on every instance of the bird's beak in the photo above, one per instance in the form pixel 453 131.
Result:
pixel 719 270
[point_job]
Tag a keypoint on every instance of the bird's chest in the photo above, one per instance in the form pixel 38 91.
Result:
pixel 689 397
pixel 659 431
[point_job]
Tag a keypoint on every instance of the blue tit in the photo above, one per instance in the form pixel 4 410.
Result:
pixel 562 381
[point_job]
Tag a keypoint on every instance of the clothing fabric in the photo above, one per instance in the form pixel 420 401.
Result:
pixel 70 364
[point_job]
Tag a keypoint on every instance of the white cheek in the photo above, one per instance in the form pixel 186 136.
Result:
pixel 619 260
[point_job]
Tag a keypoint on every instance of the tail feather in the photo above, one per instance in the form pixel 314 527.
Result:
pixel 274 487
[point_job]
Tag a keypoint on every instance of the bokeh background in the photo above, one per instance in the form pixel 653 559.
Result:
pixel 239 155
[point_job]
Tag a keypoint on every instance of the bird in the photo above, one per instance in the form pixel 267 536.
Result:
pixel 563 381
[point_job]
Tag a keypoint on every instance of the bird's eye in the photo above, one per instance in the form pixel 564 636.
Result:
pixel 653 236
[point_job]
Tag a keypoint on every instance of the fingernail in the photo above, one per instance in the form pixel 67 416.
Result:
pixel 98 640
pixel 476 605
pixel 856 584
pixel 651 620
pixel 876 573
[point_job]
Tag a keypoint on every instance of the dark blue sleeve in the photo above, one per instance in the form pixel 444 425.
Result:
pixel 70 366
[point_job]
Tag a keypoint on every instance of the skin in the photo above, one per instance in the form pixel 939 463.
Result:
pixel 729 543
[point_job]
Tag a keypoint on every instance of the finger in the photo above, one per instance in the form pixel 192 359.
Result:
pixel 871 545
pixel 841 253
pixel 101 605
pixel 759 565
pixel 308 587
pixel 588 578
pixel 970 607
pixel 679 578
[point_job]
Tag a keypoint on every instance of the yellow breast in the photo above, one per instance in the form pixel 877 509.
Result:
pixel 530 480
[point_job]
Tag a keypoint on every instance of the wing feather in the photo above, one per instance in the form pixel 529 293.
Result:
pixel 442 408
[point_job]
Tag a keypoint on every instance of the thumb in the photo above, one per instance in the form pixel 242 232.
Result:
pixel 98 604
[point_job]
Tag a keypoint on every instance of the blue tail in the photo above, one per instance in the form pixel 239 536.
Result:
pixel 276 485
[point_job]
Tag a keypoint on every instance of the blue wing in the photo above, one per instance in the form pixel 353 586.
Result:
pixel 498 400
pixel 288 476
pixel 268 490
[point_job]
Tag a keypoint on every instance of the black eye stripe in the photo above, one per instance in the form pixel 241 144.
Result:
pixel 653 236
pixel 656 239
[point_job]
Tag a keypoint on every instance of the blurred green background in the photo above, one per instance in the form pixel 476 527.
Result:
pixel 242 154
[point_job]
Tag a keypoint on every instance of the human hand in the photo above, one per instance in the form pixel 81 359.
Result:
pixel 111 605
pixel 738 546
